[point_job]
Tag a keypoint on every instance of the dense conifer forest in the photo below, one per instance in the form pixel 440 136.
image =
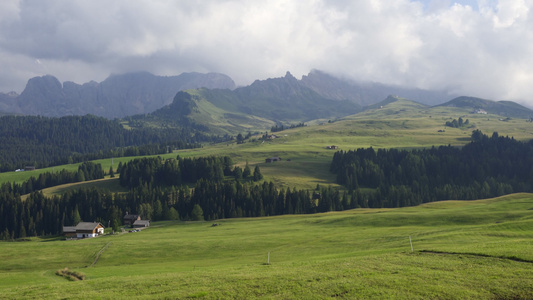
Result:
pixel 486 167
pixel 43 142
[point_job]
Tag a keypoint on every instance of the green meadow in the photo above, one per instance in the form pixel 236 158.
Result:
pixel 461 250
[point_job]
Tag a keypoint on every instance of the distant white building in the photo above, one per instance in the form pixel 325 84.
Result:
pixel 480 111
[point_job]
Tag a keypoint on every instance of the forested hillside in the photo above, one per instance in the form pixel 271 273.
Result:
pixel 43 141
pixel 487 167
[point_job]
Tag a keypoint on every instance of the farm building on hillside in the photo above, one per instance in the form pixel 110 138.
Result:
pixel 272 159
pixel 332 147
pixel 69 231
pixel 130 219
pixel 84 230
pixel 141 224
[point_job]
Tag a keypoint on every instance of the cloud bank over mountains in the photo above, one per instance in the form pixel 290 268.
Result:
pixel 480 48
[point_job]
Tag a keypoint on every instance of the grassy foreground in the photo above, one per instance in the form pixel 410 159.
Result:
pixel 462 250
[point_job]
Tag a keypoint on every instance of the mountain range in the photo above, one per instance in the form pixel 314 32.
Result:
pixel 141 92
pixel 212 103
pixel 115 97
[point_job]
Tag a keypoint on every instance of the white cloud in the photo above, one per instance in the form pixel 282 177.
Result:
pixel 476 48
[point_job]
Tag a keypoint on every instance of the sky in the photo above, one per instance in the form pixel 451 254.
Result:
pixel 481 48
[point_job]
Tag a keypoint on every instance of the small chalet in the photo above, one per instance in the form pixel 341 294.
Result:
pixel 272 159
pixel 332 147
pixel 271 136
pixel 84 230
pixel 141 223
pixel 130 219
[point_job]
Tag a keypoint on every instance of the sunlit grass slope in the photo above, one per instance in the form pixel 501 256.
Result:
pixel 462 250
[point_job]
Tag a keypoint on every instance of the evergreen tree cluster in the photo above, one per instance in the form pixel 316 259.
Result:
pixel 457 123
pixel 280 127
pixel 155 171
pixel 486 167
pixel 42 142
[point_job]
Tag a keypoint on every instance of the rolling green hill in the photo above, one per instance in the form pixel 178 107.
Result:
pixel 462 250
pixel 194 108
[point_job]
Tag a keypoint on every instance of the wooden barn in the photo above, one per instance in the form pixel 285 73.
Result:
pixel 128 219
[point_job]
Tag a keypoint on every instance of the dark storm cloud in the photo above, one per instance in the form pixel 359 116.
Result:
pixel 481 50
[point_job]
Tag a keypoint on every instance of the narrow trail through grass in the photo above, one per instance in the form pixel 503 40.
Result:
pixel 100 253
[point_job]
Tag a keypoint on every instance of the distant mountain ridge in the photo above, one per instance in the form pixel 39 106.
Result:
pixel 287 99
pixel 502 108
pixel 255 107
pixel 367 93
pixel 116 96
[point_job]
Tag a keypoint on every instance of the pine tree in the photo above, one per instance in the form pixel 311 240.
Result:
pixel 257 174
pixel 247 172
pixel 76 216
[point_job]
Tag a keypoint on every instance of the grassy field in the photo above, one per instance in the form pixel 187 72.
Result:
pixel 462 250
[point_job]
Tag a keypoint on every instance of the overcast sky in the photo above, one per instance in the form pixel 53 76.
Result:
pixel 480 48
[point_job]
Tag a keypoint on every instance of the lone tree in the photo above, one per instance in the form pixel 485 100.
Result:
pixel 197 213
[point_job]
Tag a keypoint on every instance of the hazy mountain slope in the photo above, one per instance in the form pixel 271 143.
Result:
pixel 392 99
pixel 7 101
pixel 257 106
pixel 367 93
pixel 286 99
pixel 502 108
pixel 117 96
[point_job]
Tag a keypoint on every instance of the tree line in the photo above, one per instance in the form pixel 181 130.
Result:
pixel 206 200
pixel 154 171
pixel 86 171
pixel 281 127
pixel 43 142
pixel 486 167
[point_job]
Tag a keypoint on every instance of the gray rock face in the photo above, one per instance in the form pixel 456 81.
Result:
pixel 115 97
